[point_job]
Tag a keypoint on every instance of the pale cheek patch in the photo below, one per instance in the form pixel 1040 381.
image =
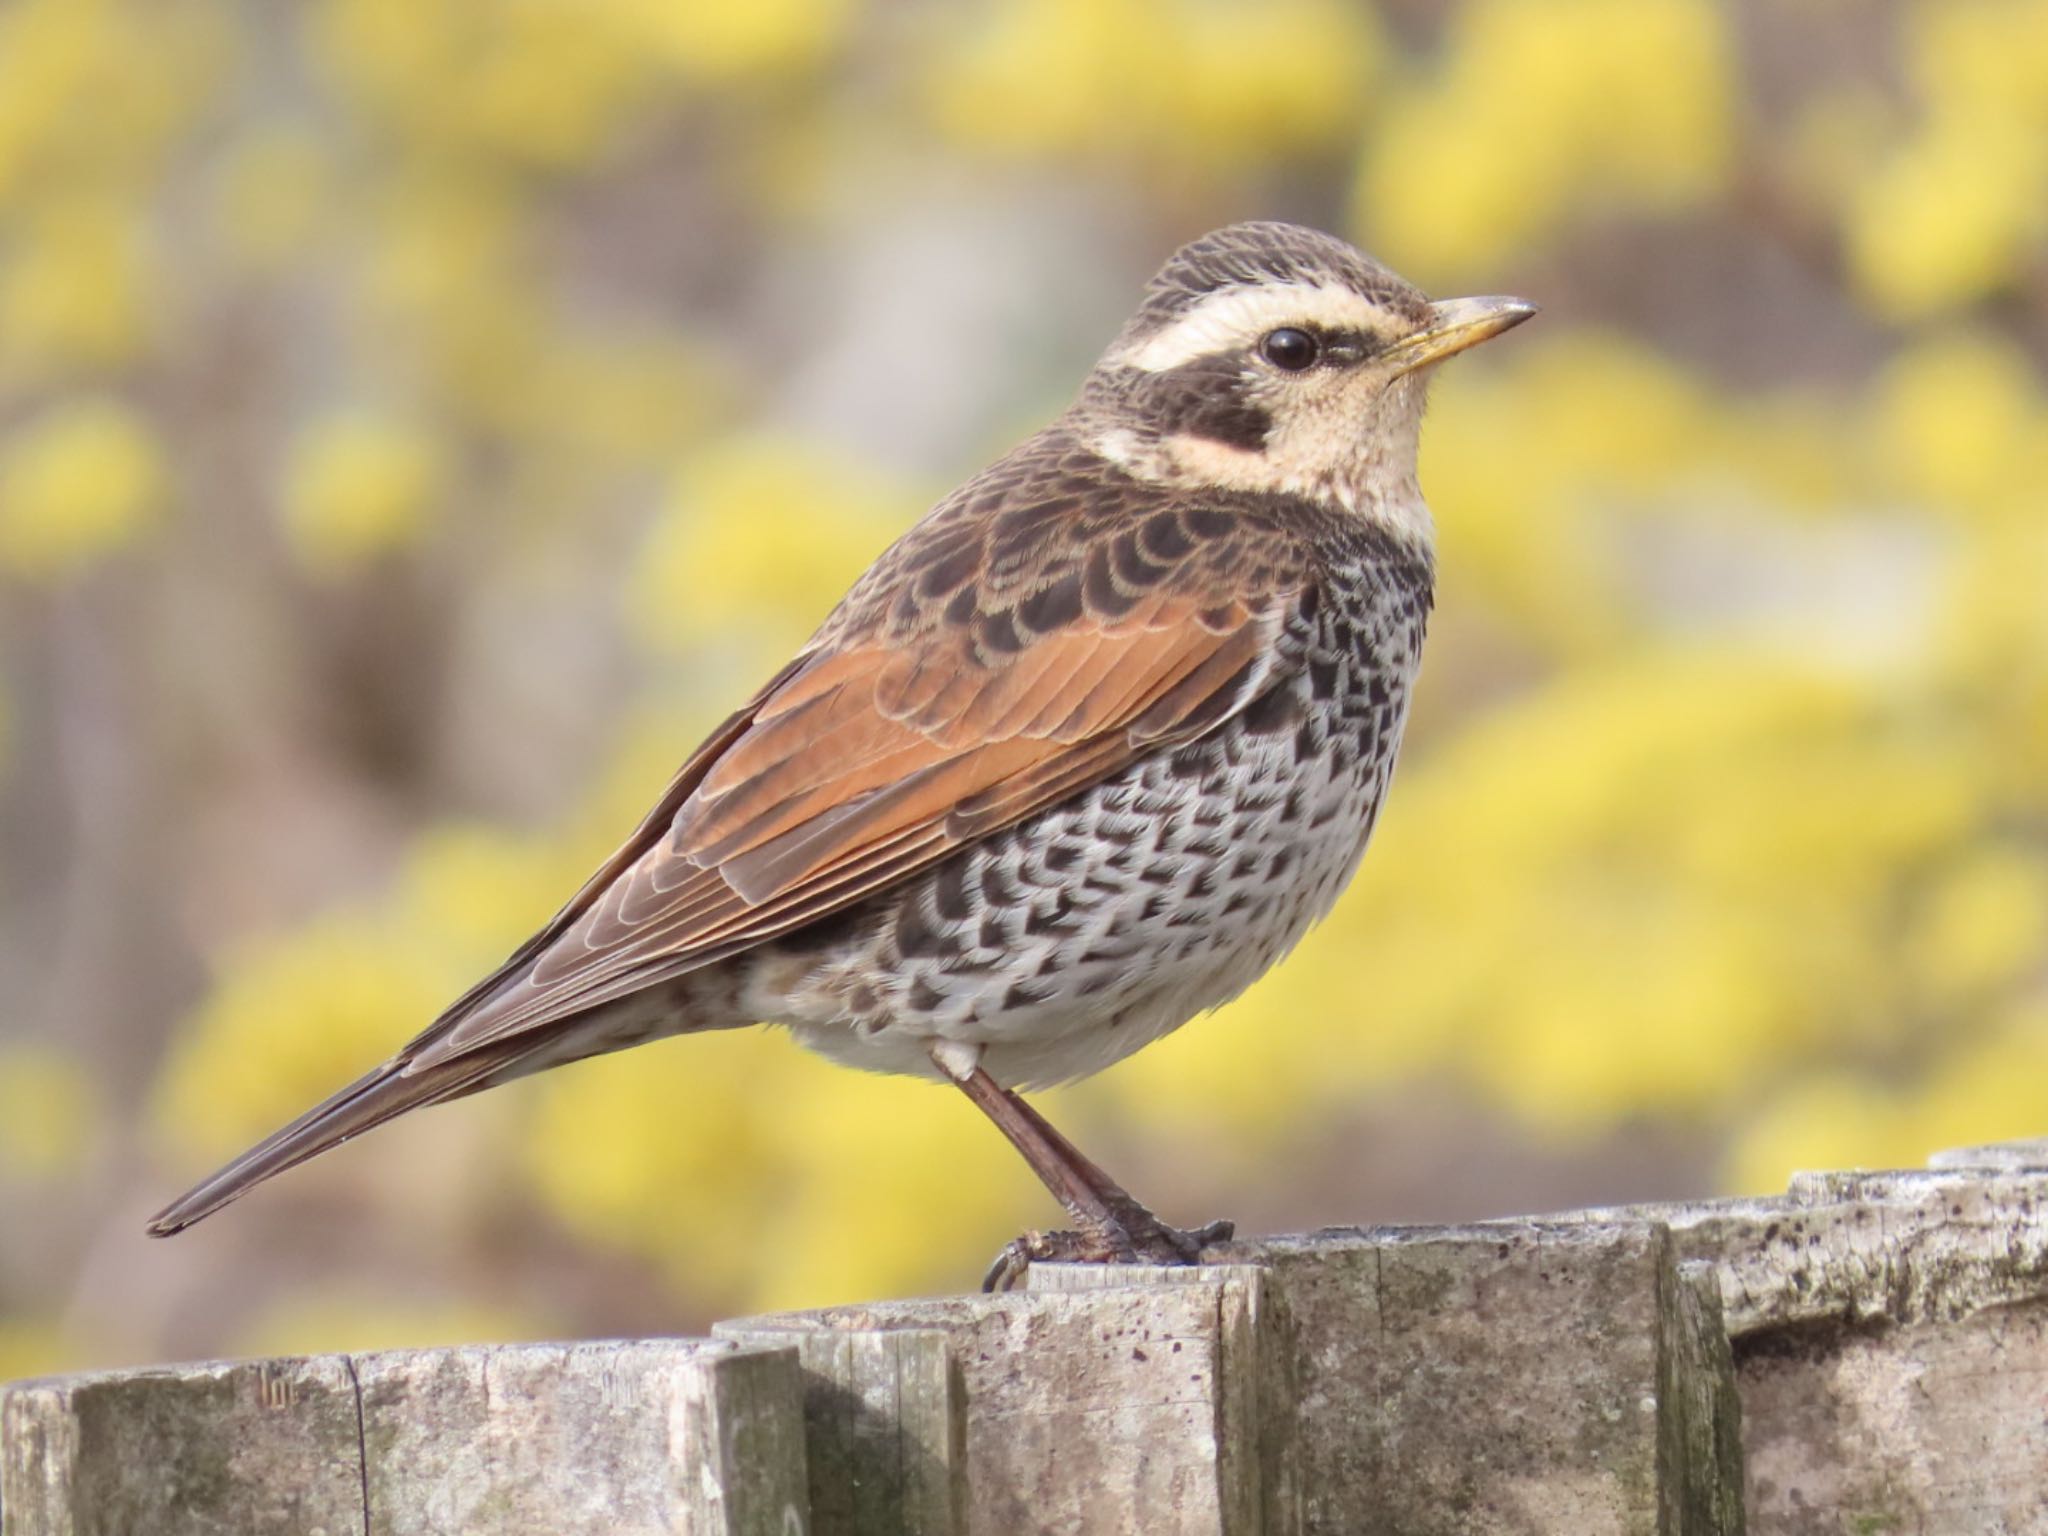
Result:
pixel 1238 317
pixel 1315 462
pixel 1208 462
pixel 1363 460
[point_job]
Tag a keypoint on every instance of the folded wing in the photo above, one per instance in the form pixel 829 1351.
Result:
pixel 861 765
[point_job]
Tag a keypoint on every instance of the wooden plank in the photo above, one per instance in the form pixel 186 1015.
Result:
pixel 1104 1412
pixel 1513 1378
pixel 1901 1245
pixel 2017 1156
pixel 1502 1379
pixel 637 1438
pixel 250 1448
pixel 885 1416
pixel 1890 1338
pixel 634 1438
pixel 1254 1453
pixel 1867 1352
pixel 1700 1468
pixel 1933 1427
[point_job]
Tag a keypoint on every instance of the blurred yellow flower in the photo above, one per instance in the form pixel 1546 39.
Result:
pixel 534 81
pixel 1168 81
pixel 83 479
pixel 681 1129
pixel 1828 1120
pixel 49 1113
pixel 1995 643
pixel 1990 1088
pixel 1530 463
pixel 1992 52
pixel 1950 215
pixel 1982 924
pixel 1835 137
pixel 352 1319
pixel 628 399
pixel 898 1186
pixel 757 540
pixel 294 1018
pixel 1956 424
pixel 449 267
pixel 73 289
pixel 1961 206
pixel 766 40
pixel 359 486
pixel 62 59
pixel 275 194
pixel 480 889
pixel 1543 110
pixel 760 1176
pixel 34 1347
pixel 1986 1089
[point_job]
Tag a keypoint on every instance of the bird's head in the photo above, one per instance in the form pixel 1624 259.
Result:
pixel 1269 357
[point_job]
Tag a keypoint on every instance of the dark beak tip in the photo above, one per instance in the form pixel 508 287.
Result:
pixel 1496 312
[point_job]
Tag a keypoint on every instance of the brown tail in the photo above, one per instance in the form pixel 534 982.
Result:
pixel 378 1096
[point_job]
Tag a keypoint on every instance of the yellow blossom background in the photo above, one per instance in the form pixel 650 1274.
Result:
pixel 421 419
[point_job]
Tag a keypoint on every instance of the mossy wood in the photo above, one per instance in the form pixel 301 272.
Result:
pixel 1868 1352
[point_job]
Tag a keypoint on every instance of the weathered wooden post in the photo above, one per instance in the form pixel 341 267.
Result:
pixel 1890 1339
pixel 1868 1352
pixel 1120 1407
pixel 620 1438
pixel 1531 1377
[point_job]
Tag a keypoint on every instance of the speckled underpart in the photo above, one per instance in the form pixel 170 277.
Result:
pixel 1066 942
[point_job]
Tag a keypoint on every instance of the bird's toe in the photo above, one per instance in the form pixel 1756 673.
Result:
pixel 1060 1247
pixel 1150 1242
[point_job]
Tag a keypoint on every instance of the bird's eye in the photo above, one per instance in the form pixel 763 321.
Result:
pixel 1289 349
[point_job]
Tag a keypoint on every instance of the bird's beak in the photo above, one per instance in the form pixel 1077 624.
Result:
pixel 1454 325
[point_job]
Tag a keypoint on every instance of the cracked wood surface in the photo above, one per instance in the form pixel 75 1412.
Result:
pixel 1890 1337
pixel 1519 1380
pixel 1112 1410
pixel 1868 1352
pixel 628 1437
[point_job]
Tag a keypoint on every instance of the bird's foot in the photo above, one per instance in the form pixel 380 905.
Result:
pixel 1142 1239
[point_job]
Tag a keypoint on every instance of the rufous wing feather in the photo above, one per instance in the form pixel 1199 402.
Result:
pixel 854 773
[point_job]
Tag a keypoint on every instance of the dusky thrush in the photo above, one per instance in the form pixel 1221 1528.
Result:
pixel 1080 756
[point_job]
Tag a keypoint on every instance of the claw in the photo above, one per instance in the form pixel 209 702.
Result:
pixel 1152 1242
pixel 1063 1247
pixel 1007 1269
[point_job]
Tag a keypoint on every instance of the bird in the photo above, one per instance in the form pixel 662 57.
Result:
pixel 1079 757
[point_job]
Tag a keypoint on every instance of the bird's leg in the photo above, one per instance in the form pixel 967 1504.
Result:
pixel 1053 1159
pixel 1113 1226
pixel 1146 1231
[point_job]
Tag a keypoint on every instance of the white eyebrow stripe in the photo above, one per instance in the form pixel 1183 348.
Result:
pixel 1235 317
